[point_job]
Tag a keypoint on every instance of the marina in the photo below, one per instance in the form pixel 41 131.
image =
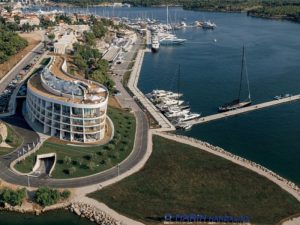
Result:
pixel 196 104
pixel 207 57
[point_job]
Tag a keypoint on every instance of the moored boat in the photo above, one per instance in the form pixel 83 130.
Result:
pixel 237 103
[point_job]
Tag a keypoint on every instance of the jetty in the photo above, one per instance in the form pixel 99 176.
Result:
pixel 264 105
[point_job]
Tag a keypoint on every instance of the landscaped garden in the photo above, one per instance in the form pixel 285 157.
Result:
pixel 181 179
pixel 13 139
pixel 78 161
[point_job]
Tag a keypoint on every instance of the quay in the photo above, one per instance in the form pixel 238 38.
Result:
pixel 243 110
pixel 132 85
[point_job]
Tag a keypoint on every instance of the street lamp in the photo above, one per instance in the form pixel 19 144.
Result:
pixel 28 183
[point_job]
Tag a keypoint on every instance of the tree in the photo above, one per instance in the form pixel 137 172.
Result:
pixel 12 197
pixel 46 196
pixel 89 38
pixel 17 19
pixel 67 160
pixel 8 8
pixel 51 36
pixel 72 170
pixel 10 44
pixel 91 165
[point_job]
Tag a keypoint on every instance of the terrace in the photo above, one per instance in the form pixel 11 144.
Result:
pixel 54 83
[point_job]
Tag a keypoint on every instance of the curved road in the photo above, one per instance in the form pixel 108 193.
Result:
pixel 21 126
pixel 29 135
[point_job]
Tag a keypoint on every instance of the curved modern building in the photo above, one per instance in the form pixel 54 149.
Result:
pixel 69 109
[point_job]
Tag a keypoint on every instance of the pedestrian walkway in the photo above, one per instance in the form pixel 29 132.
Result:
pixel 132 85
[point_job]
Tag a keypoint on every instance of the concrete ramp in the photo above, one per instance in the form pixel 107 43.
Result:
pixel 44 164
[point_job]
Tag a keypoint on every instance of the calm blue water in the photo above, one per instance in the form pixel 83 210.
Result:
pixel 210 77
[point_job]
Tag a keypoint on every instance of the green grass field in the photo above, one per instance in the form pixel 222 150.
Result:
pixel 13 139
pixel 83 161
pixel 182 179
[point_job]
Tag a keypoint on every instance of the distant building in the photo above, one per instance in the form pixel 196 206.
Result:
pixel 31 20
pixel 65 44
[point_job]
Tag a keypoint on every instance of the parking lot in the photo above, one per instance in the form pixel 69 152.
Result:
pixel 16 78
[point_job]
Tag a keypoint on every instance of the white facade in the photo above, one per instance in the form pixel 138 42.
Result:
pixel 70 117
pixel 32 21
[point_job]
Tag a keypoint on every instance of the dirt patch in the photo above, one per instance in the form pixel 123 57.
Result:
pixel 112 101
pixel 33 39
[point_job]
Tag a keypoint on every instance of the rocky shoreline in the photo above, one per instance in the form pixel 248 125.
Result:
pixel 80 209
pixel 92 213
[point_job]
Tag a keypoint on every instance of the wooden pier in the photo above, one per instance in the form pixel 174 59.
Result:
pixel 264 105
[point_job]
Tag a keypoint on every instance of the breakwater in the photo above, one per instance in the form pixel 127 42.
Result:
pixel 92 213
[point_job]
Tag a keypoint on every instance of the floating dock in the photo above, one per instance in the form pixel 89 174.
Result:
pixel 243 110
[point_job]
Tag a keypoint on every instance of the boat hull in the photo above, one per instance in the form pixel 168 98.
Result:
pixel 172 42
pixel 234 107
pixel 155 49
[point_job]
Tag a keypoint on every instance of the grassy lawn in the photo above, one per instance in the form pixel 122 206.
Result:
pixel 13 139
pixel 182 179
pixel 82 161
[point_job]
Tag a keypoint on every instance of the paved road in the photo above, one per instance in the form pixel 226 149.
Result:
pixel 17 69
pixel 29 136
pixel 134 158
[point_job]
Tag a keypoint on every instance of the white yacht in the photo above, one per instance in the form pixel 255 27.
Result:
pixel 189 116
pixel 170 39
pixel 154 42
pixel 162 93
pixel 175 108
pixel 209 25
pixel 169 102
pixel 167 38
pixel 173 114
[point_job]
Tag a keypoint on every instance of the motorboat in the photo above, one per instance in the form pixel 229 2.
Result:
pixel 188 117
pixel 209 25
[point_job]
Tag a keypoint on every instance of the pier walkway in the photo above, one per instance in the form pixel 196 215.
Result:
pixel 243 110
pixel 132 85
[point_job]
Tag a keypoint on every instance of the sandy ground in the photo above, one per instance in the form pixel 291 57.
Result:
pixel 112 101
pixel 293 221
pixel 33 39
pixel 3 134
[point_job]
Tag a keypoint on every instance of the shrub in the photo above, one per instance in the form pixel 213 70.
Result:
pixel 72 170
pixel 111 146
pixel 45 196
pixel 124 148
pixel 67 160
pixel 91 165
pixel 13 197
pixel 65 194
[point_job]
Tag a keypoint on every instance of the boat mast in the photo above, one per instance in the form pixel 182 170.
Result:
pixel 167 15
pixel 178 83
pixel 248 85
pixel 242 69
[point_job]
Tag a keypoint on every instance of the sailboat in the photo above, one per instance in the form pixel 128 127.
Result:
pixel 237 103
pixel 168 38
